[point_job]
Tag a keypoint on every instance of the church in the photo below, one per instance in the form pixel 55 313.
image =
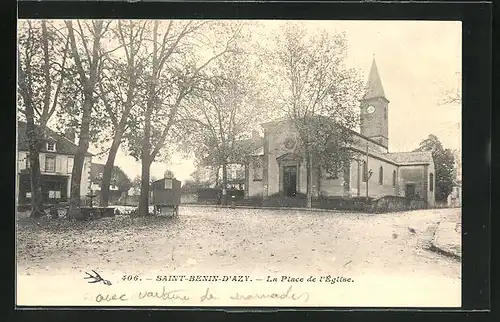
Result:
pixel 274 168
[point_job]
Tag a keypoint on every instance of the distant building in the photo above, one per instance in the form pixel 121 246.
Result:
pixel 119 184
pixel 235 169
pixel 56 165
pixel 205 175
pixel 235 176
pixel 455 197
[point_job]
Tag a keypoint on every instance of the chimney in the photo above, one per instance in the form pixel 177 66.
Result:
pixel 70 134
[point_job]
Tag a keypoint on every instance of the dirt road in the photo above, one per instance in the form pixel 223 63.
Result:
pixel 387 249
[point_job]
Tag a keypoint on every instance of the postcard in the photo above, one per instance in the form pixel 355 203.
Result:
pixel 249 163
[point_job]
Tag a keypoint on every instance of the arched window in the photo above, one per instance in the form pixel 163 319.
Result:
pixel 431 182
pixel 381 175
pixel 365 172
pixel 394 178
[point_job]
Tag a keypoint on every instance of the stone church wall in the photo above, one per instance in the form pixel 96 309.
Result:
pixel 255 180
pixel 375 189
pixel 412 174
pixel 276 137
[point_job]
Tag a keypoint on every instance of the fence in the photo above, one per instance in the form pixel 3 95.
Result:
pixel 360 204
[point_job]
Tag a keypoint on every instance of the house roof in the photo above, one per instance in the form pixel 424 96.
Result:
pixel 399 158
pixel 322 119
pixel 411 157
pixel 122 181
pixel 374 86
pixel 97 168
pixel 63 145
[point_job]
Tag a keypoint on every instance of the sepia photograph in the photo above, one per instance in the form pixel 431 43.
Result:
pixel 239 163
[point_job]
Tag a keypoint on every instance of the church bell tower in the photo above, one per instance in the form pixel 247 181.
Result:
pixel 374 109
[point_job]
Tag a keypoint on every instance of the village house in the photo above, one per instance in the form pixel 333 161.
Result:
pixel 275 169
pixel 119 184
pixel 56 165
pixel 235 169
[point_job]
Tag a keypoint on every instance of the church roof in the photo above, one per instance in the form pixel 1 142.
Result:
pixel 374 86
pixel 410 157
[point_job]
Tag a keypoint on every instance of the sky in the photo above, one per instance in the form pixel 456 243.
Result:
pixel 418 62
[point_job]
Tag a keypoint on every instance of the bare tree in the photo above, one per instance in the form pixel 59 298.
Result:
pixel 118 90
pixel 173 72
pixel 41 68
pixel 452 96
pixel 224 112
pixel 317 94
pixel 88 55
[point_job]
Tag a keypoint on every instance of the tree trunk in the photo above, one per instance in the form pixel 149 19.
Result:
pixel 144 197
pixel 318 182
pixel 108 171
pixel 33 145
pixel 34 160
pixel 224 183
pixel 217 178
pixel 88 84
pixel 79 160
pixel 309 180
pixel 146 160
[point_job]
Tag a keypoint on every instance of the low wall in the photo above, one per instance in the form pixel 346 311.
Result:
pixel 361 204
pixel 211 195
pixel 357 204
pixel 395 203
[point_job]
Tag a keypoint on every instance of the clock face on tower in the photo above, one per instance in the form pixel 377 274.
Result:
pixel 370 109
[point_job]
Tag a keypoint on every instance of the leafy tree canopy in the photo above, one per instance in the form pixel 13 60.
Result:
pixel 444 163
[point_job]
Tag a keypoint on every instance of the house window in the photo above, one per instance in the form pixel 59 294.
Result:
pixel 51 146
pixel 70 164
pixel 365 172
pixel 381 176
pixel 50 163
pixel 431 182
pixel 394 178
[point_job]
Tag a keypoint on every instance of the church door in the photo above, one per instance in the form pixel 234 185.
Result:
pixel 410 190
pixel 290 180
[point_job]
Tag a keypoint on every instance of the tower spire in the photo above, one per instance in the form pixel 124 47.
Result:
pixel 374 86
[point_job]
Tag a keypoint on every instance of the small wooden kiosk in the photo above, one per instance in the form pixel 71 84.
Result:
pixel 166 196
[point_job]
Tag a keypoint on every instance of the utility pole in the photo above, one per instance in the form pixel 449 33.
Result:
pixel 367 172
pixel 359 177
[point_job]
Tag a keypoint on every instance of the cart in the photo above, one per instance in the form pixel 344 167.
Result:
pixel 166 197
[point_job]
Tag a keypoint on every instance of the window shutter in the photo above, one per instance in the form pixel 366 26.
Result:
pixel 58 164
pixel 42 162
pixel 70 164
pixel 21 161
